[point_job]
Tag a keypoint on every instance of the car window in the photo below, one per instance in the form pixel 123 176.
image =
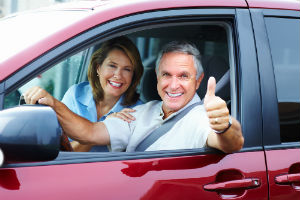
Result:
pixel 213 39
pixel 284 42
pixel 56 80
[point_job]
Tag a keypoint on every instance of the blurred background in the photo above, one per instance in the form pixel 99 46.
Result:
pixel 11 6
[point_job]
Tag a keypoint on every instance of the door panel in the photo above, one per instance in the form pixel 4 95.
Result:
pixel 159 178
pixel 284 173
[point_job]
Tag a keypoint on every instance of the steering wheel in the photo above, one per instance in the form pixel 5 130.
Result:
pixel 65 144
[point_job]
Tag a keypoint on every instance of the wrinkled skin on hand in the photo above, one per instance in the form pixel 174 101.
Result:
pixel 37 94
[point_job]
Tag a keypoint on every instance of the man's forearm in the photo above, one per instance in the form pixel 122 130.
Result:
pixel 79 128
pixel 230 141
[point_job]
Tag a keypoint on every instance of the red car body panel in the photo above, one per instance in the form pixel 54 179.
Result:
pixel 155 178
pixel 158 178
pixel 283 163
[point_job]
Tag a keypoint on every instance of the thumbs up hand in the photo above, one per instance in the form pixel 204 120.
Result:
pixel 216 108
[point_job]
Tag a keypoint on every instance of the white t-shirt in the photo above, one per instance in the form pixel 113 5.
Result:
pixel 190 131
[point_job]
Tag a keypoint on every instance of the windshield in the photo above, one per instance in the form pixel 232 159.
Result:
pixel 18 32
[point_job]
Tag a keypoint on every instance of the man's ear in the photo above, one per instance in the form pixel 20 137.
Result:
pixel 199 80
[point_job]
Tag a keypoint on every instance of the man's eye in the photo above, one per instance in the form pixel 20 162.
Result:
pixel 165 74
pixel 112 66
pixel 184 76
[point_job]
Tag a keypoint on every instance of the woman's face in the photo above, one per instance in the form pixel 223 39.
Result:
pixel 115 73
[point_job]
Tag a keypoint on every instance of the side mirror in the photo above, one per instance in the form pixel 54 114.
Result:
pixel 29 133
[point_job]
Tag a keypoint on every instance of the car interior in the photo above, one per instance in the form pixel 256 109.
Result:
pixel 213 39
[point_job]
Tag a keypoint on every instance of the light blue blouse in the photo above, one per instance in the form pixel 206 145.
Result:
pixel 79 99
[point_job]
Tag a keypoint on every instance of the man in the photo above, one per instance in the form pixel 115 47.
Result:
pixel 179 74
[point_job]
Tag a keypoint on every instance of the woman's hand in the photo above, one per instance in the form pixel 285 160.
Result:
pixel 37 94
pixel 124 115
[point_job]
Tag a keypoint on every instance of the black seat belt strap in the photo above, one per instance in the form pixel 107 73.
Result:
pixel 157 133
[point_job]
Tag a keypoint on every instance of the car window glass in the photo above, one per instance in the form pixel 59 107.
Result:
pixel 56 80
pixel 284 41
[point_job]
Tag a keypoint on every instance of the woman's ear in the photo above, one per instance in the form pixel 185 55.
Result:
pixel 98 70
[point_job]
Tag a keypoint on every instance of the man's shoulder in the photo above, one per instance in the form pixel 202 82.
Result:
pixel 198 110
pixel 149 104
pixel 150 108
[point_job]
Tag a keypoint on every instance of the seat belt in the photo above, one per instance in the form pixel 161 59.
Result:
pixel 157 133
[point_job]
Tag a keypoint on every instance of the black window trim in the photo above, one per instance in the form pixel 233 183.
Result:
pixel 91 157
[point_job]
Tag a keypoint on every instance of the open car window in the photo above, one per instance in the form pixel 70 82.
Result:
pixel 212 38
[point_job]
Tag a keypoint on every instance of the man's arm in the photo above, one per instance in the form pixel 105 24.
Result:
pixel 229 141
pixel 76 127
pixel 232 139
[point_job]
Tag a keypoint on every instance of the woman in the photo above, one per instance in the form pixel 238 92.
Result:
pixel 114 73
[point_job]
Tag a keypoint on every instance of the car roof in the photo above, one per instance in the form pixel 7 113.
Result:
pixel 88 15
pixel 275 4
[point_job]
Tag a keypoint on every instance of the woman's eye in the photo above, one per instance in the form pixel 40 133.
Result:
pixel 112 66
pixel 128 69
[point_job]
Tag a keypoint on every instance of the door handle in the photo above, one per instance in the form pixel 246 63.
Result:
pixel 287 178
pixel 247 183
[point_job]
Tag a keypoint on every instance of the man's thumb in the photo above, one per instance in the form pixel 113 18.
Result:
pixel 211 87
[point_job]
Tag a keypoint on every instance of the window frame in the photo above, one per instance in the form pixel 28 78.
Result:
pixel 135 22
pixel 271 127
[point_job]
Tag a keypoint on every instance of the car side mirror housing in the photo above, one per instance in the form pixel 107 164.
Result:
pixel 29 133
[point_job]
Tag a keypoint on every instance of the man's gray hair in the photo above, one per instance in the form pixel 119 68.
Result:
pixel 182 47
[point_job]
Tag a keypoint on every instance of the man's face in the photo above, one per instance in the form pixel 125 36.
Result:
pixel 177 82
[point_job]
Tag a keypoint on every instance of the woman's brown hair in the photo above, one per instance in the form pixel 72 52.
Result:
pixel 129 48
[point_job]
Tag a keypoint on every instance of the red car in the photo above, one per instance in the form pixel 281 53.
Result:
pixel 251 45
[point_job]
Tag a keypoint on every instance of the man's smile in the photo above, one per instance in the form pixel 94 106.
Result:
pixel 173 95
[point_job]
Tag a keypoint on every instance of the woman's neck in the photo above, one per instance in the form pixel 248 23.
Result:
pixel 104 106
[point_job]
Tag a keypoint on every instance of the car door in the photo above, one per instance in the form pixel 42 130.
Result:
pixel 178 174
pixel 277 41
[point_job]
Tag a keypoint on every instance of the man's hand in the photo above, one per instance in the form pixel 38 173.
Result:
pixel 215 107
pixel 37 94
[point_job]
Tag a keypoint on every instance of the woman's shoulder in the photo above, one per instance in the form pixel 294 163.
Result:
pixel 76 90
pixel 80 88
